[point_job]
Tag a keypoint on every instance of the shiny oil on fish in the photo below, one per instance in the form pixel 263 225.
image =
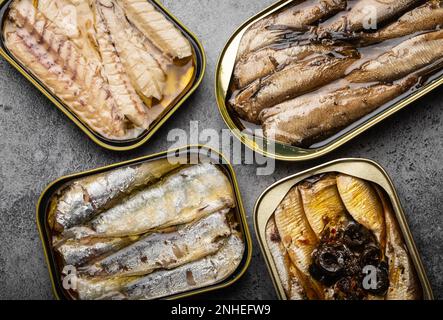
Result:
pixel 293 288
pixel 129 102
pixel 298 237
pixel 404 284
pixel 185 196
pixel 406 58
pixel 292 81
pixel 144 71
pixel 63 69
pixel 322 204
pixel 81 200
pixel 275 27
pixel 427 17
pixel 198 274
pixel 80 252
pixel 365 13
pixel 263 62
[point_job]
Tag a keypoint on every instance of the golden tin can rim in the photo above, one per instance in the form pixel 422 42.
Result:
pixel 241 270
pixel 223 74
pixel 366 169
pixel 201 55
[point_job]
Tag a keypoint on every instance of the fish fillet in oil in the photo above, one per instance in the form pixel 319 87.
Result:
pixel 63 14
pixel 100 289
pixel 157 28
pixel 80 201
pixel 298 237
pixel 208 271
pixel 77 253
pixel 363 204
pixel 265 61
pixel 310 119
pixel 365 13
pixel 277 27
pixel 165 250
pixel 408 57
pixel 144 71
pixel 404 284
pixel 54 59
pixel 292 81
pixel 187 195
pixel 76 20
pixel 423 18
pixel 322 204
pixel 291 284
pixel 129 102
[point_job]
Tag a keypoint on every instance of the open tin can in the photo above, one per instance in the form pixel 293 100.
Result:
pixel 186 155
pixel 162 112
pixel 246 131
pixel 366 170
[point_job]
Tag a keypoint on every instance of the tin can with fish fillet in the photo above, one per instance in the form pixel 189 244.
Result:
pixel 338 231
pixel 301 78
pixel 118 69
pixel 165 226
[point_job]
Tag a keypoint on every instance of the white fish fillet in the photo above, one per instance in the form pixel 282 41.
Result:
pixel 291 284
pixel 85 198
pixel 157 28
pixel 406 58
pixel 184 196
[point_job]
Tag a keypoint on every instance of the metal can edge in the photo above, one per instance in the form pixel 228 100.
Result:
pixel 332 166
pixel 240 207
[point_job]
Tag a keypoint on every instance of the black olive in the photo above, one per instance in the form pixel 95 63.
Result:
pixel 356 235
pixel 370 255
pixel 381 284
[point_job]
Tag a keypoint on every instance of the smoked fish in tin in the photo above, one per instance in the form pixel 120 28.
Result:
pixel 118 68
pixel 303 77
pixel 145 229
pixel 337 232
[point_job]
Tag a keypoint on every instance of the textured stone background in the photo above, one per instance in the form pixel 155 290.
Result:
pixel 38 144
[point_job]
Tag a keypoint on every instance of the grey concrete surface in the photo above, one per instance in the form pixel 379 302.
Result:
pixel 38 144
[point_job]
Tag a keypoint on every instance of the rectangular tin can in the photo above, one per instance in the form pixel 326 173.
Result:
pixel 361 168
pixel 224 72
pixel 190 154
pixel 125 145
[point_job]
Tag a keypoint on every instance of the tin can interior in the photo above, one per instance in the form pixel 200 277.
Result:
pixel 199 62
pixel 190 154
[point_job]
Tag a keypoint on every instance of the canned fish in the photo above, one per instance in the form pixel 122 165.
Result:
pixel 338 231
pixel 166 226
